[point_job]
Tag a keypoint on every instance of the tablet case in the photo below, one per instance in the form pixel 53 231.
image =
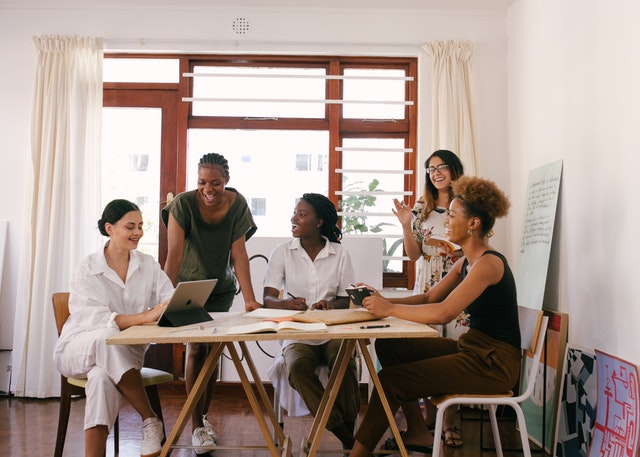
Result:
pixel 357 294
pixel 186 317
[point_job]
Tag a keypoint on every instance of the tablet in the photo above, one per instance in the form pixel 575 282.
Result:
pixel 186 305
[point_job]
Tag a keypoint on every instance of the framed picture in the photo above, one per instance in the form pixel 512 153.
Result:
pixel 617 428
pixel 540 410
pixel 577 403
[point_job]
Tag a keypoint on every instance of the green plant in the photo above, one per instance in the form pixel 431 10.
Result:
pixel 357 224
pixel 358 204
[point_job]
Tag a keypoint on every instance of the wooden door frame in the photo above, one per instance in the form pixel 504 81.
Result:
pixel 164 97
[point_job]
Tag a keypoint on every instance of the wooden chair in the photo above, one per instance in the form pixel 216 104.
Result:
pixel 70 387
pixel 533 326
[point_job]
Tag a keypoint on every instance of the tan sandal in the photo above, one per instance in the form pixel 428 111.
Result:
pixel 451 437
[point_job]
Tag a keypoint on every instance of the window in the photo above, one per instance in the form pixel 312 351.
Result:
pixel 341 126
pixel 303 162
pixel 258 206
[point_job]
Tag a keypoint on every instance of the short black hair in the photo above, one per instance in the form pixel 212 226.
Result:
pixel 212 159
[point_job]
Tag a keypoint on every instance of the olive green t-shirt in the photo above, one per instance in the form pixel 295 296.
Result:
pixel 207 248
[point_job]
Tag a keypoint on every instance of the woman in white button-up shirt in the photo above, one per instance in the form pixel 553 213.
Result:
pixel 314 269
pixel 111 290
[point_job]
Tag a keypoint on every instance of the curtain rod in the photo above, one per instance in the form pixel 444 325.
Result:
pixel 111 43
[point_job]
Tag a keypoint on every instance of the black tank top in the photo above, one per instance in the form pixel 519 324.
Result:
pixel 495 311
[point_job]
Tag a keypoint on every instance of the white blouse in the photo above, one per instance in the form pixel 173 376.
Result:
pixel 98 295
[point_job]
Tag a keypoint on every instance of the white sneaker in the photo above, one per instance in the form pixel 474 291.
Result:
pixel 201 441
pixel 152 435
pixel 207 426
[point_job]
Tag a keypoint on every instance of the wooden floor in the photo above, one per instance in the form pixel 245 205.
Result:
pixel 28 428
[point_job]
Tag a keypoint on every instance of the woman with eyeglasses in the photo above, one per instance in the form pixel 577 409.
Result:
pixel 426 219
pixel 433 260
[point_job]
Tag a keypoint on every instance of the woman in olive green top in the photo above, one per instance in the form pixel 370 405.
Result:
pixel 206 230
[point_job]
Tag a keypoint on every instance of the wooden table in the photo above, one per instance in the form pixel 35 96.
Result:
pixel 215 333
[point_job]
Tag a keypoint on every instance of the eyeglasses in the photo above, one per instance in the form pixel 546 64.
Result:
pixel 442 167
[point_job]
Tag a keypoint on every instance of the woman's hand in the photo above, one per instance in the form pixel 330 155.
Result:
pixel 322 305
pixel 298 304
pixel 251 305
pixel 402 212
pixel 378 305
pixel 153 314
pixel 372 290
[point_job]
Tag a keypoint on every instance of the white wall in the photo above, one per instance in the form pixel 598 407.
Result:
pixel 573 94
pixel 273 30
pixel 573 72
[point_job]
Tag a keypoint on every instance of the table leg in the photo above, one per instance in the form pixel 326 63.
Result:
pixel 310 446
pixel 383 398
pixel 253 401
pixel 194 396
pixel 266 402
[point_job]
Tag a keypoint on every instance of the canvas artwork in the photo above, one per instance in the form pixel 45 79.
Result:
pixel 577 403
pixel 540 410
pixel 617 428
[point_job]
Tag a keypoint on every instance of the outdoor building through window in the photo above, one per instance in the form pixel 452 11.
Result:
pixel 341 126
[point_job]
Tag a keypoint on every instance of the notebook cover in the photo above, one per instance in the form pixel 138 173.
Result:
pixel 336 316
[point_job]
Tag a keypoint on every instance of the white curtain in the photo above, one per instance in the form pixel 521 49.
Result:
pixel 452 92
pixel 63 199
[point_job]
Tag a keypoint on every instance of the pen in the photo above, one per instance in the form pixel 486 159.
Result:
pixel 292 296
pixel 375 326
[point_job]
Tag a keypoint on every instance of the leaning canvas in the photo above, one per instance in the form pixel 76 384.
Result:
pixel 540 410
pixel 577 403
pixel 617 427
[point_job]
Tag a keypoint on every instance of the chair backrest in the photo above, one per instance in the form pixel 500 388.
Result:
pixel 60 301
pixel 533 328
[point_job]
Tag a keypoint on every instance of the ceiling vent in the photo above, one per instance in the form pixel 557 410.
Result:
pixel 240 25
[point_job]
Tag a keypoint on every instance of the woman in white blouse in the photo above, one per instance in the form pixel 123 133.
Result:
pixel 314 269
pixel 111 290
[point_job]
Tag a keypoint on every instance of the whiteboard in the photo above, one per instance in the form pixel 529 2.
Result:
pixel 537 233
pixel 4 227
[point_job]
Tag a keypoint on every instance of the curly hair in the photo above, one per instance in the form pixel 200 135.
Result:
pixel 325 210
pixel 481 198
pixel 212 159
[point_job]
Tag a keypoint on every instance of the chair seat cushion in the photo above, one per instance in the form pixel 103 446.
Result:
pixel 436 400
pixel 150 377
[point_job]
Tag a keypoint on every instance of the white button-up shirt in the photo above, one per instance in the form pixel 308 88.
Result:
pixel 324 278
pixel 98 295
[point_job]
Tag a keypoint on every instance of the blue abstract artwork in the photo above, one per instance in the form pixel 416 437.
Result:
pixel 577 403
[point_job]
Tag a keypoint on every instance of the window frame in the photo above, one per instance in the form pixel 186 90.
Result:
pixel 338 127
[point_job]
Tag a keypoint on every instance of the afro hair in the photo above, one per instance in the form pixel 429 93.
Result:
pixel 482 195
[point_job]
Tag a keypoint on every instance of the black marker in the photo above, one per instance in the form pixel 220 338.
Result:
pixel 375 326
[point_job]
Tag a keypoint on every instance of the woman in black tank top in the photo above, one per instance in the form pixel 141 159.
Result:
pixel 479 292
